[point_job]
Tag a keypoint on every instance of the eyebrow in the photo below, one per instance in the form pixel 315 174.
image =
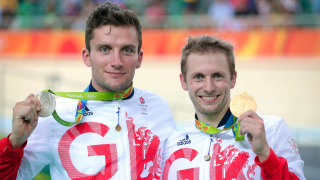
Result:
pixel 110 46
pixel 214 74
pixel 217 73
pixel 129 46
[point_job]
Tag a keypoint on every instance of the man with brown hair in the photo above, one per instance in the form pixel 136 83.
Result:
pixel 119 137
pixel 211 146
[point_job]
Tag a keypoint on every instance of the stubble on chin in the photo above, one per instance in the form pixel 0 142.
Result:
pixel 115 88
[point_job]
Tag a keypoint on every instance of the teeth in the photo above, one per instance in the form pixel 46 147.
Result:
pixel 209 97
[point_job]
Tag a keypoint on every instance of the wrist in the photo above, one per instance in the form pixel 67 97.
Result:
pixel 16 143
pixel 264 155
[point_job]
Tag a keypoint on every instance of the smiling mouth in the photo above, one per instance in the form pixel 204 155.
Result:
pixel 208 97
pixel 116 74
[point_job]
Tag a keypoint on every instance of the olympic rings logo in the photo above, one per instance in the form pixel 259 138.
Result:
pixel 91 96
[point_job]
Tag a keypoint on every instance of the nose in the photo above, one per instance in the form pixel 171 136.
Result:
pixel 209 86
pixel 116 60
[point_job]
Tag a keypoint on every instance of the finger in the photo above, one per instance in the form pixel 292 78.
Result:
pixel 245 114
pixel 31 108
pixel 247 125
pixel 242 129
pixel 35 101
pixel 253 126
pixel 34 121
pixel 249 113
pixel 24 110
pixel 29 115
pixel 23 114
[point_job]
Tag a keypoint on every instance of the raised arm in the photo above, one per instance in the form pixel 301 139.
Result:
pixel 24 121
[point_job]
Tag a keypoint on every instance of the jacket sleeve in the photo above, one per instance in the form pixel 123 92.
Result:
pixel 284 161
pixel 10 160
pixel 275 168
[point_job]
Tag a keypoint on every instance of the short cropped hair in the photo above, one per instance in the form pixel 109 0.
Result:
pixel 207 44
pixel 111 14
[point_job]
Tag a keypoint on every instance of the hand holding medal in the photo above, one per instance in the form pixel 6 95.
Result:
pixel 244 106
pixel 240 104
pixel 47 103
pixel 26 113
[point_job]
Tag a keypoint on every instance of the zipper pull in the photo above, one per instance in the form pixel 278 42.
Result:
pixel 118 107
pixel 207 157
pixel 118 127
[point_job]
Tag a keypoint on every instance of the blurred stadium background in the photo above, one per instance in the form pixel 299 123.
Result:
pixel 277 44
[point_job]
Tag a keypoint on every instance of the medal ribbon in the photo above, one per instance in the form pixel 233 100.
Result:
pixel 232 123
pixel 82 103
pixel 98 96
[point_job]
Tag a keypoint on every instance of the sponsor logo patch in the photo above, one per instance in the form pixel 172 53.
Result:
pixel 87 112
pixel 184 141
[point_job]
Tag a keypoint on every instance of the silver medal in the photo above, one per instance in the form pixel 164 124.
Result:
pixel 47 103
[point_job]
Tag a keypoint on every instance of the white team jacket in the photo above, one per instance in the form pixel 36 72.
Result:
pixel 93 149
pixel 183 155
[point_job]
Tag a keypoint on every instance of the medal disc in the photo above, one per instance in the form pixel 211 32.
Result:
pixel 118 128
pixel 207 157
pixel 241 103
pixel 47 103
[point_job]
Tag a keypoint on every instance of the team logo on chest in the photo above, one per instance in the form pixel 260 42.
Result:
pixel 142 101
pixel 143 106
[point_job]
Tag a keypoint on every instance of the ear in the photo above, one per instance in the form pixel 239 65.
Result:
pixel 183 83
pixel 234 79
pixel 140 57
pixel 86 57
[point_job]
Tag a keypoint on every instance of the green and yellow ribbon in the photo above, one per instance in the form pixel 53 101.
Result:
pixel 83 97
pixel 232 123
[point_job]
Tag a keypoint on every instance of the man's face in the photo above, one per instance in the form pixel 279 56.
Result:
pixel 114 57
pixel 208 82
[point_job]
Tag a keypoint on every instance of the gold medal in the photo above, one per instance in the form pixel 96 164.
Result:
pixel 207 157
pixel 118 128
pixel 241 103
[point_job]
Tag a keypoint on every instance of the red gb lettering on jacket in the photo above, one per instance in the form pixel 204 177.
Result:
pixel 187 153
pixel 109 151
pixel 145 155
pixel 229 163
pixel 225 165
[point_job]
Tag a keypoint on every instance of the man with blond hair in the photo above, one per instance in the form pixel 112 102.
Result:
pixel 210 147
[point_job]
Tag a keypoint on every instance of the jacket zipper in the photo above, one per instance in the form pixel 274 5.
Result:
pixel 123 144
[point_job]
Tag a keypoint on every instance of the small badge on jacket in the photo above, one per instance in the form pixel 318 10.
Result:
pixel 143 106
pixel 293 145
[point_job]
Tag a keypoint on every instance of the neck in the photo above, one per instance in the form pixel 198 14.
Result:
pixel 100 88
pixel 213 119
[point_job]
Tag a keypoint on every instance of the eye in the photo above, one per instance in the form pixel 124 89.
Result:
pixel 104 49
pixel 127 50
pixel 198 77
pixel 218 76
